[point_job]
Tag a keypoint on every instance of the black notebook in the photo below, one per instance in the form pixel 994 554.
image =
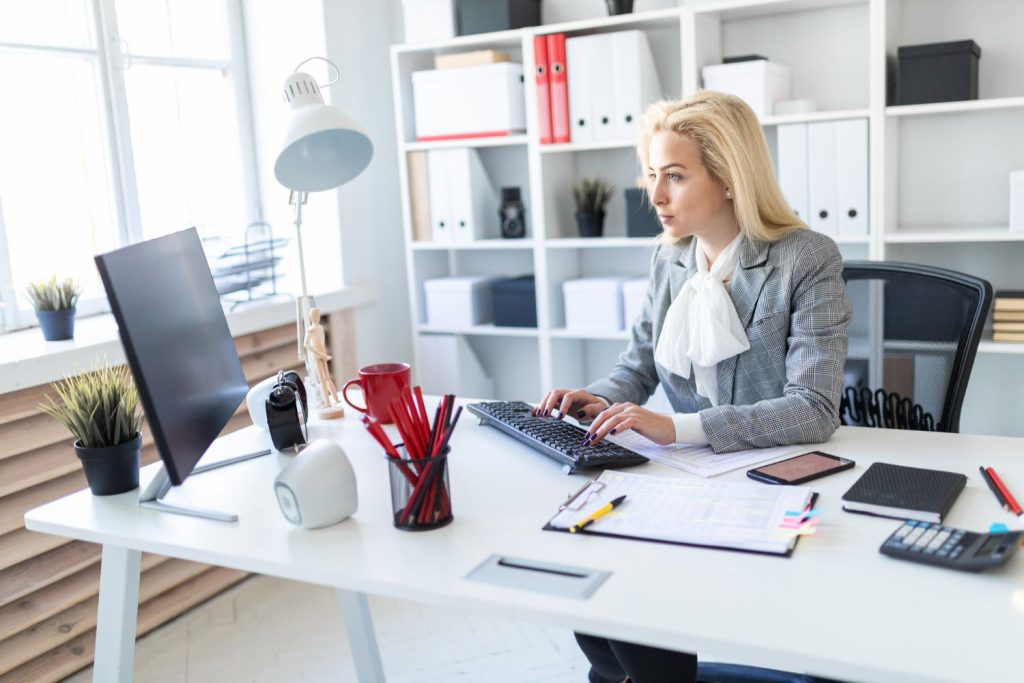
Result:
pixel 904 492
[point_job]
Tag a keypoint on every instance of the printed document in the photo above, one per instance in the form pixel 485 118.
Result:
pixel 699 460
pixel 690 511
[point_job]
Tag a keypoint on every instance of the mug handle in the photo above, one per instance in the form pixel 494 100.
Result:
pixel 344 393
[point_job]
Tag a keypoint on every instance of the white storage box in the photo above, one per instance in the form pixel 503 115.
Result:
pixel 759 83
pixel 428 20
pixel 455 303
pixel 633 294
pixel 593 304
pixel 474 101
pixel 1017 201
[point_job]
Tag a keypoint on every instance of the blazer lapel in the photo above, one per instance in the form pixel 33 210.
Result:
pixel 682 268
pixel 745 288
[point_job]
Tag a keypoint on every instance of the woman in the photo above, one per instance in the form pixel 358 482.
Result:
pixel 744 322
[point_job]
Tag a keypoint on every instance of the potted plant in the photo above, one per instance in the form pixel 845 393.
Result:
pixel 55 306
pixel 591 195
pixel 101 408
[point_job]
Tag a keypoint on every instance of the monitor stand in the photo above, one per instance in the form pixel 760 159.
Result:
pixel 161 484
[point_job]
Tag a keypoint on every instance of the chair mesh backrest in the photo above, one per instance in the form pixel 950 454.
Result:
pixel 913 338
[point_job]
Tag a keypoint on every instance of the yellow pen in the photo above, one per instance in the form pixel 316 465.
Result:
pixel 596 514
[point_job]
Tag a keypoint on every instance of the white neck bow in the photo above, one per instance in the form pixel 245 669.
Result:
pixel 701 326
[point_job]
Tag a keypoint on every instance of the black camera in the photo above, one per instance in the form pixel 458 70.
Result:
pixel 512 214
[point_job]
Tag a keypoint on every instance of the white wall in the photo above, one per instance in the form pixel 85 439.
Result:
pixel 359 35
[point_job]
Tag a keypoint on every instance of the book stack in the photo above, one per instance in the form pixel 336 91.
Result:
pixel 1008 316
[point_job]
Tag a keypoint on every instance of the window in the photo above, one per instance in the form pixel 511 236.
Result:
pixel 123 120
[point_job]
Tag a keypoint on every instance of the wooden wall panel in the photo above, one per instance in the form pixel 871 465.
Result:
pixel 48 584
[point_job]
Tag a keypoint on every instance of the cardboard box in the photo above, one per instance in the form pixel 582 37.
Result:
pixel 428 20
pixel 759 83
pixel 593 304
pixel 474 101
pixel 1017 201
pixel 455 303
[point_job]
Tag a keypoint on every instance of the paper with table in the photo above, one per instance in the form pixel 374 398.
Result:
pixel 733 515
pixel 699 460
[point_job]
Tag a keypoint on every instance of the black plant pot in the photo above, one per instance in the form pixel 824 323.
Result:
pixel 57 325
pixel 111 470
pixel 590 224
pixel 619 6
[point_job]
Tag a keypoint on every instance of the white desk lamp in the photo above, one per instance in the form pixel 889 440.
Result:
pixel 323 148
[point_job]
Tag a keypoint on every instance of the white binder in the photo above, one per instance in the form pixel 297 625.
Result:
pixel 577 70
pixel 601 70
pixel 822 177
pixel 635 79
pixel 852 170
pixel 437 192
pixel 792 152
pixel 471 197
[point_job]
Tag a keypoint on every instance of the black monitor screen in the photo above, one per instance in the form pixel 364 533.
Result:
pixel 177 342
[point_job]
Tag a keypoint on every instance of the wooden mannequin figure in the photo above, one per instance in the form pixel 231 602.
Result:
pixel 315 344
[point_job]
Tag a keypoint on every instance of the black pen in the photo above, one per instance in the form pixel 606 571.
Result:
pixel 995 489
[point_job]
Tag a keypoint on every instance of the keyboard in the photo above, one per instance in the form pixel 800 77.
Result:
pixel 554 438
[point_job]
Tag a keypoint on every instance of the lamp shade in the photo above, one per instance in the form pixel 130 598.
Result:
pixel 323 147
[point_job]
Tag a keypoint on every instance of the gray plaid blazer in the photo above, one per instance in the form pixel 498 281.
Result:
pixel 785 388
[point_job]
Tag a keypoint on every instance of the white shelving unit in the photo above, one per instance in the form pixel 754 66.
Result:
pixel 938 173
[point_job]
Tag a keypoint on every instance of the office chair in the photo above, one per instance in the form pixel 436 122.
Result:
pixel 913 338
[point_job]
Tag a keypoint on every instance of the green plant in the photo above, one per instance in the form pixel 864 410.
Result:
pixel 591 195
pixel 101 407
pixel 50 295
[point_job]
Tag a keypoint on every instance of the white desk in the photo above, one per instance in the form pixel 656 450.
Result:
pixel 836 608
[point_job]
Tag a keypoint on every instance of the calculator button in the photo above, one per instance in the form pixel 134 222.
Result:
pixel 941 538
pixel 902 531
pixel 942 552
pixel 928 536
pixel 913 536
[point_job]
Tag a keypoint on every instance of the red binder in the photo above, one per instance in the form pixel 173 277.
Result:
pixel 540 55
pixel 559 88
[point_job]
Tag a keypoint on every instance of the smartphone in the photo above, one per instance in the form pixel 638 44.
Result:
pixel 801 468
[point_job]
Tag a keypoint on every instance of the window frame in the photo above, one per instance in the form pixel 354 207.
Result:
pixel 112 61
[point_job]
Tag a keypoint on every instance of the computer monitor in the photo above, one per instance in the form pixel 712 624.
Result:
pixel 178 346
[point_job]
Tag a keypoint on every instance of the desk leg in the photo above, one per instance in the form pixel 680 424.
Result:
pixel 355 611
pixel 115 621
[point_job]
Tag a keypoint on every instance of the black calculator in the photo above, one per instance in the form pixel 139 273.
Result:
pixel 943 546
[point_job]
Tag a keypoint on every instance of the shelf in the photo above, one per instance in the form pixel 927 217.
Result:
pixel 587 146
pixel 497 141
pixel 953 236
pixel 989 346
pixel 813 116
pixel 510 39
pixel 509 244
pixel 600 242
pixel 614 335
pixel 623 22
pixel 750 9
pixel 482 331
pixel 853 240
pixel 993 104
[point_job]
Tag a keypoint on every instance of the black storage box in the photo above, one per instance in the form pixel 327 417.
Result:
pixel 515 302
pixel 484 16
pixel 641 218
pixel 938 72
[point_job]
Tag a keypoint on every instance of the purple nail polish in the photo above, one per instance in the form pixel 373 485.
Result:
pixel 612 432
pixel 581 414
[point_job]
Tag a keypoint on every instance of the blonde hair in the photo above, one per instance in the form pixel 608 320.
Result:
pixel 734 151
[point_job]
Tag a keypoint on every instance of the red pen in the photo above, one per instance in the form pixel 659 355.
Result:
pixel 1010 500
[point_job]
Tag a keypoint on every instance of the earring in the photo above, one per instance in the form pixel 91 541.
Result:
pixel 728 195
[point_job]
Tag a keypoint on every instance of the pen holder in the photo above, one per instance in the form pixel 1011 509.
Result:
pixel 420 494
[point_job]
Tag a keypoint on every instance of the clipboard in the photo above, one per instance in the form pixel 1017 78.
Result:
pixel 596 492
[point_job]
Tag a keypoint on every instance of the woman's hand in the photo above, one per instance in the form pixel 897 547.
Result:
pixel 578 403
pixel 622 416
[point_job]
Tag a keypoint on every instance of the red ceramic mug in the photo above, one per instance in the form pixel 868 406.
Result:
pixel 380 383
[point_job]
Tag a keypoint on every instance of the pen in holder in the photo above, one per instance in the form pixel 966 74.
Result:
pixel 418 467
pixel 420 492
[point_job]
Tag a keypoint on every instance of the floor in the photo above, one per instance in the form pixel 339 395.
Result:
pixel 269 629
